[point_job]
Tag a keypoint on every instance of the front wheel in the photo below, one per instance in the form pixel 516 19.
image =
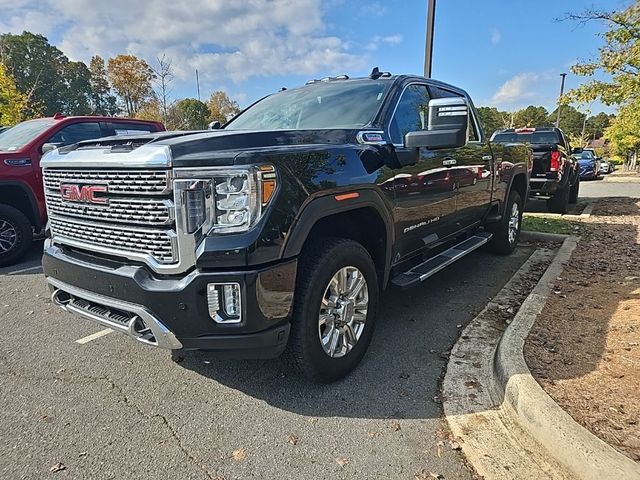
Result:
pixel 334 309
pixel 16 235
pixel 507 233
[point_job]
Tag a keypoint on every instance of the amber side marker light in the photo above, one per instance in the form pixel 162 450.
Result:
pixel 268 180
pixel 347 196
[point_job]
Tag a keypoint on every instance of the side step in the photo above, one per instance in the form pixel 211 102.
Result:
pixel 432 266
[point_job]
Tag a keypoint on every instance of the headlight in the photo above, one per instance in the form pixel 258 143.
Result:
pixel 223 200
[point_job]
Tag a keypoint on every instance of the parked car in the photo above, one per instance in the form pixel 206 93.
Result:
pixel 276 233
pixel 605 167
pixel 589 165
pixel 22 199
pixel 555 174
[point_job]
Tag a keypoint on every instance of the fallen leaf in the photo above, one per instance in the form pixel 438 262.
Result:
pixel 57 467
pixel 342 461
pixel 372 434
pixel 403 392
pixel 440 444
pixel 395 426
pixel 239 454
pixel 455 445
pixel 82 454
pixel 293 439
pixel 313 421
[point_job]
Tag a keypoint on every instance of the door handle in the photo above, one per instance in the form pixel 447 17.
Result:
pixel 449 162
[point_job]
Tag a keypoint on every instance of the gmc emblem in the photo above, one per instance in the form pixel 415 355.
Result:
pixel 84 194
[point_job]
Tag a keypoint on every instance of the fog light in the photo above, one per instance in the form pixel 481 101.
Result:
pixel 224 302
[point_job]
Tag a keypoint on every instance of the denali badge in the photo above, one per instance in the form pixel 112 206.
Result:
pixel 84 194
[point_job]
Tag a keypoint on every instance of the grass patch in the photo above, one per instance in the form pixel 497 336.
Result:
pixel 548 225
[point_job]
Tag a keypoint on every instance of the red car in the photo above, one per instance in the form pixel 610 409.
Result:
pixel 22 204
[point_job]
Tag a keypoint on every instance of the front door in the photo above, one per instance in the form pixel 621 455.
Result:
pixel 425 193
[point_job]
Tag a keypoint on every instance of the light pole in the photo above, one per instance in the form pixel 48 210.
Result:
pixel 563 75
pixel 428 49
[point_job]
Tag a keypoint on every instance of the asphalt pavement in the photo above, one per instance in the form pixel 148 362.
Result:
pixel 112 408
pixel 604 188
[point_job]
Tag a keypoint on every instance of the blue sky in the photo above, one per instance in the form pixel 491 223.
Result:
pixel 507 54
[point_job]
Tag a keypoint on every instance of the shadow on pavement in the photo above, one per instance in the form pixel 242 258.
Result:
pixel 400 375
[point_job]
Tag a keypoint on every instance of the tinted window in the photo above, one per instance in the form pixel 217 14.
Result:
pixel 76 132
pixel 17 137
pixel 526 137
pixel 130 128
pixel 411 114
pixel 334 104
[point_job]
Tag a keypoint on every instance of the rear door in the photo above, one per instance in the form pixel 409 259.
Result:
pixel 425 192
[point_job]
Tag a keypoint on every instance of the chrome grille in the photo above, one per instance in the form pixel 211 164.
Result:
pixel 159 244
pixel 132 182
pixel 143 211
pixel 137 222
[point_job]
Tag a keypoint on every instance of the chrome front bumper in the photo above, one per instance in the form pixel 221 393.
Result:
pixel 128 318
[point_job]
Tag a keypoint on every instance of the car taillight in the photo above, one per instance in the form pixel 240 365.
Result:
pixel 555 161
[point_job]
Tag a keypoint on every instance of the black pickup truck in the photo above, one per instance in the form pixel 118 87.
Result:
pixel 555 176
pixel 276 233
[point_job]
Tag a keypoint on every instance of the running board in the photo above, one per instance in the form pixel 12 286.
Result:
pixel 432 266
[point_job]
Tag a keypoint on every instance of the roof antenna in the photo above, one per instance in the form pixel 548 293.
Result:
pixel 375 73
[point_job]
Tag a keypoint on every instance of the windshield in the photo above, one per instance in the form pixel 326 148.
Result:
pixel 528 137
pixel 584 156
pixel 326 105
pixel 17 137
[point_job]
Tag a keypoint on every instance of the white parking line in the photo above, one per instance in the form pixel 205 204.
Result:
pixel 15 272
pixel 93 336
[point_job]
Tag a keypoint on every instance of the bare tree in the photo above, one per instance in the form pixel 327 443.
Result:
pixel 163 80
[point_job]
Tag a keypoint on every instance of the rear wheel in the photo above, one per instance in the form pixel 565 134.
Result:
pixel 506 235
pixel 334 309
pixel 16 235
pixel 559 203
pixel 575 191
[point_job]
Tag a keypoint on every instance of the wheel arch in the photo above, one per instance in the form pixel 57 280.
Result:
pixel 364 219
pixel 20 197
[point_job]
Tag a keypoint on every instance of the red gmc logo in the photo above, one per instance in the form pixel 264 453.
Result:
pixel 84 194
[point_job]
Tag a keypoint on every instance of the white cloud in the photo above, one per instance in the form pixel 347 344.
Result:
pixel 224 40
pixel 389 40
pixel 496 36
pixel 517 89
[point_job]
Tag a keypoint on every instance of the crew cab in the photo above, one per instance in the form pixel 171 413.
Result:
pixel 22 202
pixel 555 175
pixel 275 234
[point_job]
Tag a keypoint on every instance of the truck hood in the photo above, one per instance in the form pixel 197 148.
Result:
pixel 186 149
pixel 194 150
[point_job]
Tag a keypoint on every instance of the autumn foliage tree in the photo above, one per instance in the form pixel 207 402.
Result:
pixel 619 60
pixel 131 78
pixel 221 107
pixel 13 103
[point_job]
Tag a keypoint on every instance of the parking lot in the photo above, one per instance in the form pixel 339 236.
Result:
pixel 113 408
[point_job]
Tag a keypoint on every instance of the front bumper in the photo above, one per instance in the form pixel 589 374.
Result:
pixel 172 312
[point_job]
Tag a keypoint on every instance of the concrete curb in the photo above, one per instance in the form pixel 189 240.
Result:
pixel 542 236
pixel 575 448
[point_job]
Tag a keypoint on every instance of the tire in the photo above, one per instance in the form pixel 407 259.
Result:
pixel 505 238
pixel 575 191
pixel 16 235
pixel 321 262
pixel 559 203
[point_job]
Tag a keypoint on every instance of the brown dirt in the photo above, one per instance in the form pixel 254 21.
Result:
pixel 584 349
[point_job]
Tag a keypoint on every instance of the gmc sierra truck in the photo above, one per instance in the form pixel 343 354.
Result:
pixel 555 176
pixel 276 233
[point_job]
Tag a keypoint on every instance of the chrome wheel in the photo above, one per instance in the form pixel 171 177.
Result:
pixel 8 236
pixel 343 312
pixel 514 223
